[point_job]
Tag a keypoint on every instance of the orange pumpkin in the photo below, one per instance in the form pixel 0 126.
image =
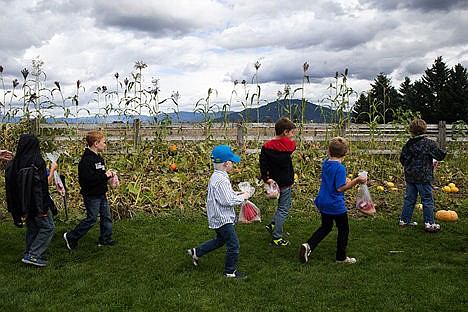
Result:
pixel 172 149
pixel 173 167
pixel 446 215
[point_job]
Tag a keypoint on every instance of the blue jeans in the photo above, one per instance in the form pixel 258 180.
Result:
pixel 284 204
pixel 39 232
pixel 94 205
pixel 427 200
pixel 224 235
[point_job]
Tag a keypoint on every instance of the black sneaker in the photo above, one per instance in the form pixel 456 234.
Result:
pixel 235 274
pixel 270 227
pixel 71 243
pixel 192 254
pixel 108 243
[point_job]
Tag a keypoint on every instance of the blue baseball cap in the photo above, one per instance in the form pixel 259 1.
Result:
pixel 223 153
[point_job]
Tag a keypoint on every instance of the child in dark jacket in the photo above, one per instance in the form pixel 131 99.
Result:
pixel 28 196
pixel 276 166
pixel 93 178
pixel 417 159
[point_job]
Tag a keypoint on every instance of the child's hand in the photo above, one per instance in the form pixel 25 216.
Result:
pixel 246 195
pixel 362 180
pixel 53 166
pixel 110 173
pixel 269 181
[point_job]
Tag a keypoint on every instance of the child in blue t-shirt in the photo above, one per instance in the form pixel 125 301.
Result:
pixel 330 202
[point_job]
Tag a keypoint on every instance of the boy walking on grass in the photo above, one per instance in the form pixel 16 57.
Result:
pixel 417 159
pixel 276 166
pixel 220 203
pixel 330 202
pixel 93 178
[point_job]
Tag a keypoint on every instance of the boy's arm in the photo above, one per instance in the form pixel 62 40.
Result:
pixel 437 153
pixel 90 176
pixel 228 197
pixel 263 166
pixel 352 183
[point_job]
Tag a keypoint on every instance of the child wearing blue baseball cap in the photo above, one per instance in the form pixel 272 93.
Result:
pixel 220 203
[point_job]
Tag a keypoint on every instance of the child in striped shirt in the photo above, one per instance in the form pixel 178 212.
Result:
pixel 220 203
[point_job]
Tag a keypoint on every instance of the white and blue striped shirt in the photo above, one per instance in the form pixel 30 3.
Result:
pixel 221 200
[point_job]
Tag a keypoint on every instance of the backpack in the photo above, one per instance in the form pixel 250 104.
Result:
pixel 25 193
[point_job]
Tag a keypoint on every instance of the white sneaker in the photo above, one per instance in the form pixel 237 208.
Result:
pixel 304 253
pixel 431 228
pixel 192 254
pixel 347 260
pixel 403 223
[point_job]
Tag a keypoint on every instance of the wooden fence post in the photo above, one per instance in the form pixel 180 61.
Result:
pixel 442 135
pixel 136 132
pixel 240 135
pixel 34 126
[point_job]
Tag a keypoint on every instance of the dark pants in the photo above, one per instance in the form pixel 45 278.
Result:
pixel 326 227
pixel 95 205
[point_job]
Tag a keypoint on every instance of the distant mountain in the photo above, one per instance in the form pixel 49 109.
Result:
pixel 283 108
pixel 267 113
pixel 183 117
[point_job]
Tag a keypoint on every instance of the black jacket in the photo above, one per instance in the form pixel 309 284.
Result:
pixel 417 156
pixel 92 174
pixel 276 162
pixel 26 186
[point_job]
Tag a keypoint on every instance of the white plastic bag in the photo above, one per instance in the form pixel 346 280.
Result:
pixel 364 200
pixel 272 190
pixel 249 213
pixel 59 184
pixel 246 187
pixel 53 157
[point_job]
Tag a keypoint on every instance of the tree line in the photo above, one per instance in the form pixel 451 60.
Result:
pixel 440 94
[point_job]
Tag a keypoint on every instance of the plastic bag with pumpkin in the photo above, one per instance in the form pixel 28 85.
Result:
pixel 364 201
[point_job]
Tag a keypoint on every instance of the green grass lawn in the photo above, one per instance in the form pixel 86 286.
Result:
pixel 397 270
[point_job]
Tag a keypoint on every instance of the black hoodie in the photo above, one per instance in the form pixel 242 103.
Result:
pixel 92 174
pixel 26 184
pixel 276 163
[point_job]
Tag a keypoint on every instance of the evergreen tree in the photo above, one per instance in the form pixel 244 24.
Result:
pixel 457 95
pixel 407 96
pixel 379 104
pixel 432 92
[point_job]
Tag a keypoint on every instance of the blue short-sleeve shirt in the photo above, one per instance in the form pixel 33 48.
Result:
pixel 329 200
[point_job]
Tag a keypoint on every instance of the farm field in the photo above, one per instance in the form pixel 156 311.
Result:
pixel 159 213
pixel 397 270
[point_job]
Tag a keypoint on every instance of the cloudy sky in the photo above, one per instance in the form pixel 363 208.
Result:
pixel 194 45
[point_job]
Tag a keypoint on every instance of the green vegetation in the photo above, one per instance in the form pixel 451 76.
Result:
pixel 397 270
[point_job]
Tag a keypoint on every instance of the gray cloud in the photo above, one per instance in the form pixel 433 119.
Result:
pixel 422 5
pixel 192 46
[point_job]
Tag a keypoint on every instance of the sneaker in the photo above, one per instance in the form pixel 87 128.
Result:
pixel 108 243
pixel 270 227
pixel 192 254
pixel 28 259
pixel 304 253
pixel 431 228
pixel 71 243
pixel 235 274
pixel 347 260
pixel 403 223
pixel 280 242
